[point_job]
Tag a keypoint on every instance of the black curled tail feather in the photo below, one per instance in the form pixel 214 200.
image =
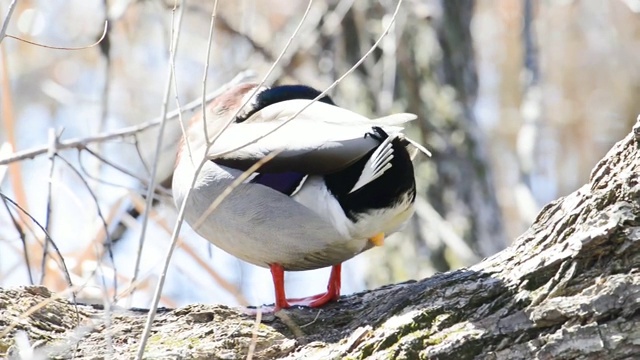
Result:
pixel 395 185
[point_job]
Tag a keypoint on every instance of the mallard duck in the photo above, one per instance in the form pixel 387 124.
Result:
pixel 339 184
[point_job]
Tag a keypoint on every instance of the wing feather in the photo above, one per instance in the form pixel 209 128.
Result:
pixel 377 165
pixel 322 139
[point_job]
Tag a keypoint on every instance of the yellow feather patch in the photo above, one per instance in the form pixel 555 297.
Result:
pixel 377 239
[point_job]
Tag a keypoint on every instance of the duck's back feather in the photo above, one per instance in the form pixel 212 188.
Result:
pixel 321 140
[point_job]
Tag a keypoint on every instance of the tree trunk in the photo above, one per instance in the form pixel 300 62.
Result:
pixel 438 78
pixel 568 288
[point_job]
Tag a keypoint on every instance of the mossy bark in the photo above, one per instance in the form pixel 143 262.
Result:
pixel 568 288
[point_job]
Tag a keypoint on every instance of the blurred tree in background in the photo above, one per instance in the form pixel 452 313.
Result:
pixel 516 99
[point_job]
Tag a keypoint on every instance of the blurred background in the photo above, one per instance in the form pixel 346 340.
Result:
pixel 516 99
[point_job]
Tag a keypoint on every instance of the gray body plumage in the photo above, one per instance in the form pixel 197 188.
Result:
pixel 270 228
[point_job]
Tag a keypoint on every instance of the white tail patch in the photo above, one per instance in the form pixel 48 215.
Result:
pixel 378 163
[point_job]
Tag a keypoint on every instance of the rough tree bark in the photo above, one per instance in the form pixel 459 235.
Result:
pixel 569 288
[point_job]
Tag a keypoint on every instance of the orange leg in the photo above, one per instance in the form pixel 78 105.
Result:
pixel 332 294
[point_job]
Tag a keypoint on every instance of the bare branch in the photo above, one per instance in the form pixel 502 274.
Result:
pixel 108 243
pixel 80 143
pixel 7 18
pixel 110 163
pixel 53 150
pixel 254 334
pixel 204 77
pixel 139 204
pixel 62 263
pixel 264 79
pixel 175 39
pixel 104 33
pixel 9 120
pixel 23 239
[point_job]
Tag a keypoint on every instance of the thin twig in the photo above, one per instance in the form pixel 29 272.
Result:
pixel 5 148
pixel 104 33
pixel 9 119
pixel 144 181
pixel 7 18
pixel 175 36
pixel 99 179
pixel 105 227
pixel 157 294
pixel 291 324
pixel 313 23
pixel 136 144
pixel 179 107
pixel 389 67
pixel 175 39
pixel 264 79
pixel 105 48
pixel 23 240
pixel 138 203
pixel 226 26
pixel 53 141
pixel 108 245
pixel 205 76
pixel 312 321
pixel 104 111
pixel 254 334
pixel 62 264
